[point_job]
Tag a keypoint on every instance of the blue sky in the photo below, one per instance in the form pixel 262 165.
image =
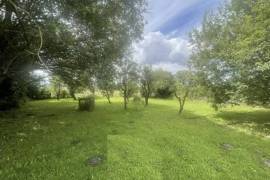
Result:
pixel 168 16
pixel 165 43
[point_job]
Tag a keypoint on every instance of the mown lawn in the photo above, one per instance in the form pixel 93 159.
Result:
pixel 51 140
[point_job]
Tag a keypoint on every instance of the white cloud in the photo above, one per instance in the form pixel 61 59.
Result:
pixel 171 67
pixel 169 53
pixel 162 11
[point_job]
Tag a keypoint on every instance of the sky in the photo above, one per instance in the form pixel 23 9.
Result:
pixel 165 43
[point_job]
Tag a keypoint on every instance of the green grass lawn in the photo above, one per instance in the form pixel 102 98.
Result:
pixel 51 140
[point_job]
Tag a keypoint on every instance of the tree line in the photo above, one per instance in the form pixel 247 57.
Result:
pixel 133 81
pixel 86 43
pixel 72 39
pixel 231 53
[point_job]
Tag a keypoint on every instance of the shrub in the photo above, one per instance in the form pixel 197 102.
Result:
pixel 38 94
pixel 137 102
pixel 64 94
pixel 45 94
pixel 137 99
pixel 12 93
pixel 164 92
pixel 87 104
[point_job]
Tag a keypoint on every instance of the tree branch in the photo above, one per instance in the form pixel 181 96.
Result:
pixel 40 34
pixel 18 8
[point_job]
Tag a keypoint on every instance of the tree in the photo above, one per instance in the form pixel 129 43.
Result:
pixel 106 82
pixel 231 53
pixel 184 82
pixel 107 89
pixel 72 78
pixel 163 83
pixel 58 88
pixel 146 83
pixel 128 79
pixel 54 34
pixel 38 88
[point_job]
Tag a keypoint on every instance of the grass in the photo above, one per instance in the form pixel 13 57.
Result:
pixel 51 140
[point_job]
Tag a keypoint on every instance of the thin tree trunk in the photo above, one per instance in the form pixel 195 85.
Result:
pixel 108 97
pixel 72 93
pixel 181 109
pixel 125 103
pixel 125 98
pixel 146 100
pixel 109 100
pixel 73 96
pixel 2 78
pixel 59 91
pixel 182 101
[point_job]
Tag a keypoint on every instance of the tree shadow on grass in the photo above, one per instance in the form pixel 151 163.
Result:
pixel 257 121
pixel 40 134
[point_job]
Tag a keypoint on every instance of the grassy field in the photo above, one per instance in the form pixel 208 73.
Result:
pixel 51 140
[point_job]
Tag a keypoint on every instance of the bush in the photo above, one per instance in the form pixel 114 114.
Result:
pixel 12 93
pixel 64 94
pixel 137 99
pixel 38 94
pixel 87 104
pixel 137 102
pixel 165 92
pixel 45 94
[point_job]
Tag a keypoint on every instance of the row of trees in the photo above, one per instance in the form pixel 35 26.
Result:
pixel 128 78
pixel 132 80
pixel 231 53
pixel 230 61
pixel 70 39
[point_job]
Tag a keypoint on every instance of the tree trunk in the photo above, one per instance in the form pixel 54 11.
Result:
pixel 125 103
pixel 73 96
pixel 58 92
pixel 125 99
pixel 72 93
pixel 181 108
pixel 2 78
pixel 182 101
pixel 146 100
pixel 109 100
pixel 108 97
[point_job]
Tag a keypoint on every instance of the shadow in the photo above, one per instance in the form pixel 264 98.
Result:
pixel 44 133
pixel 258 121
pixel 57 136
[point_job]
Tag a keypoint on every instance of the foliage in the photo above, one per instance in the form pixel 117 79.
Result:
pixel 36 93
pixel 231 53
pixel 137 99
pixel 64 37
pixel 184 83
pixel 128 79
pixel 163 83
pixel 37 87
pixel 72 78
pixel 146 83
pixel 106 81
pixel 11 93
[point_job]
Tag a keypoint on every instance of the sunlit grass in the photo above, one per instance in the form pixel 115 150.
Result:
pixel 52 140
